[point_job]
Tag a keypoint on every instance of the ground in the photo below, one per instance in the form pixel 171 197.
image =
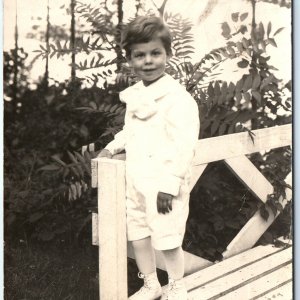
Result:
pixel 57 272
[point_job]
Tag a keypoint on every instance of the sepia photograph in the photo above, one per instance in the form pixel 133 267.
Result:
pixel 147 150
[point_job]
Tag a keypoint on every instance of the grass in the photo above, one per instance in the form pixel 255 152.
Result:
pixel 50 272
pixel 57 272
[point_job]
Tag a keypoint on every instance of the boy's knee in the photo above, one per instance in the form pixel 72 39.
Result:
pixel 171 252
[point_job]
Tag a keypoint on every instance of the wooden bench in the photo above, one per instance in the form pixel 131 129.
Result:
pixel 263 272
pixel 234 277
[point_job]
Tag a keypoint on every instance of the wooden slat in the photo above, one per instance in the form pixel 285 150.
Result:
pixel 193 263
pixel 196 173
pixel 221 285
pixel 112 223
pixel 237 144
pixel 95 236
pixel 219 269
pixel 250 176
pixel 92 147
pixel 262 285
pixel 83 149
pixel 255 227
pixel 94 172
pixel 121 156
pixel 284 292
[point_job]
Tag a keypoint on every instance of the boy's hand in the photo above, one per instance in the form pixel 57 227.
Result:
pixel 105 153
pixel 164 202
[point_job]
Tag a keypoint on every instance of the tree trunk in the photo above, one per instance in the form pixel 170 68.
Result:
pixel 15 58
pixel 118 38
pixel 120 11
pixel 161 10
pixel 254 123
pixel 72 41
pixel 46 76
pixel 137 7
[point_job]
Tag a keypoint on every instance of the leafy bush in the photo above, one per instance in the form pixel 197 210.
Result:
pixel 221 205
pixel 47 175
pixel 39 204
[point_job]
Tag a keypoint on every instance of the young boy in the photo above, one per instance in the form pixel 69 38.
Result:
pixel 160 133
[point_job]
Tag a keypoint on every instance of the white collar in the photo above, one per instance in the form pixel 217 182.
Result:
pixel 141 100
pixel 155 90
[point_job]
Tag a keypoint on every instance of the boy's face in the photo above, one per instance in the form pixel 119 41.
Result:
pixel 148 60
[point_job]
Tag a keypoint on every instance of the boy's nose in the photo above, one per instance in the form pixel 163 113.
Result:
pixel 148 59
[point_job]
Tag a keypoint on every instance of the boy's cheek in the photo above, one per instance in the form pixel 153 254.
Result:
pixel 133 64
pixel 129 62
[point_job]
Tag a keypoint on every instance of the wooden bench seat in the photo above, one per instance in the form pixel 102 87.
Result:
pixel 264 272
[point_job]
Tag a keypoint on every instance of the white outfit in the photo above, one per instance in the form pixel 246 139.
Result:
pixel 160 133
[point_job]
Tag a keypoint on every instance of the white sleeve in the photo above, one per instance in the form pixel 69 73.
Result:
pixel 182 124
pixel 118 144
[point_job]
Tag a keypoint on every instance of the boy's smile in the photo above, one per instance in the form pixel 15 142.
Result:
pixel 148 60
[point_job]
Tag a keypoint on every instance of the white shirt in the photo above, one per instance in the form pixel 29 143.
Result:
pixel 160 132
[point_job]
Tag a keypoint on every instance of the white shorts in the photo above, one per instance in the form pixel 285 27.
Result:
pixel 143 220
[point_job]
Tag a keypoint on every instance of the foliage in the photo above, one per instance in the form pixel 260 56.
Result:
pixel 276 166
pixel 14 78
pixel 226 107
pixel 98 39
pixel 281 3
pixel 55 176
pixel 40 204
pixel 221 205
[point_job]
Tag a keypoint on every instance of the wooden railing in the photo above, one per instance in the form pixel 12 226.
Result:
pixel 109 226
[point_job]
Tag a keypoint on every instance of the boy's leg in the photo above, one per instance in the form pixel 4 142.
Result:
pixel 145 259
pixel 174 260
pixel 144 255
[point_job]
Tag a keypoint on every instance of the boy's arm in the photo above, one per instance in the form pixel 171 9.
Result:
pixel 183 131
pixel 117 145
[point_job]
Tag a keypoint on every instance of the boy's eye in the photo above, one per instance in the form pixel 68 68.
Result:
pixel 138 55
pixel 156 53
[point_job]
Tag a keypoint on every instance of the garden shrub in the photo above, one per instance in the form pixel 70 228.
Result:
pixel 47 177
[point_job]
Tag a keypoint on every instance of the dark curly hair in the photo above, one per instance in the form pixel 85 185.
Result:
pixel 144 29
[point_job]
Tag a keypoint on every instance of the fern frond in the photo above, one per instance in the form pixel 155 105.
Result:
pixel 181 35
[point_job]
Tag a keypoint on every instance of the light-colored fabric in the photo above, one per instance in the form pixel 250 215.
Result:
pixel 159 136
pixel 143 220
pixel 161 127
